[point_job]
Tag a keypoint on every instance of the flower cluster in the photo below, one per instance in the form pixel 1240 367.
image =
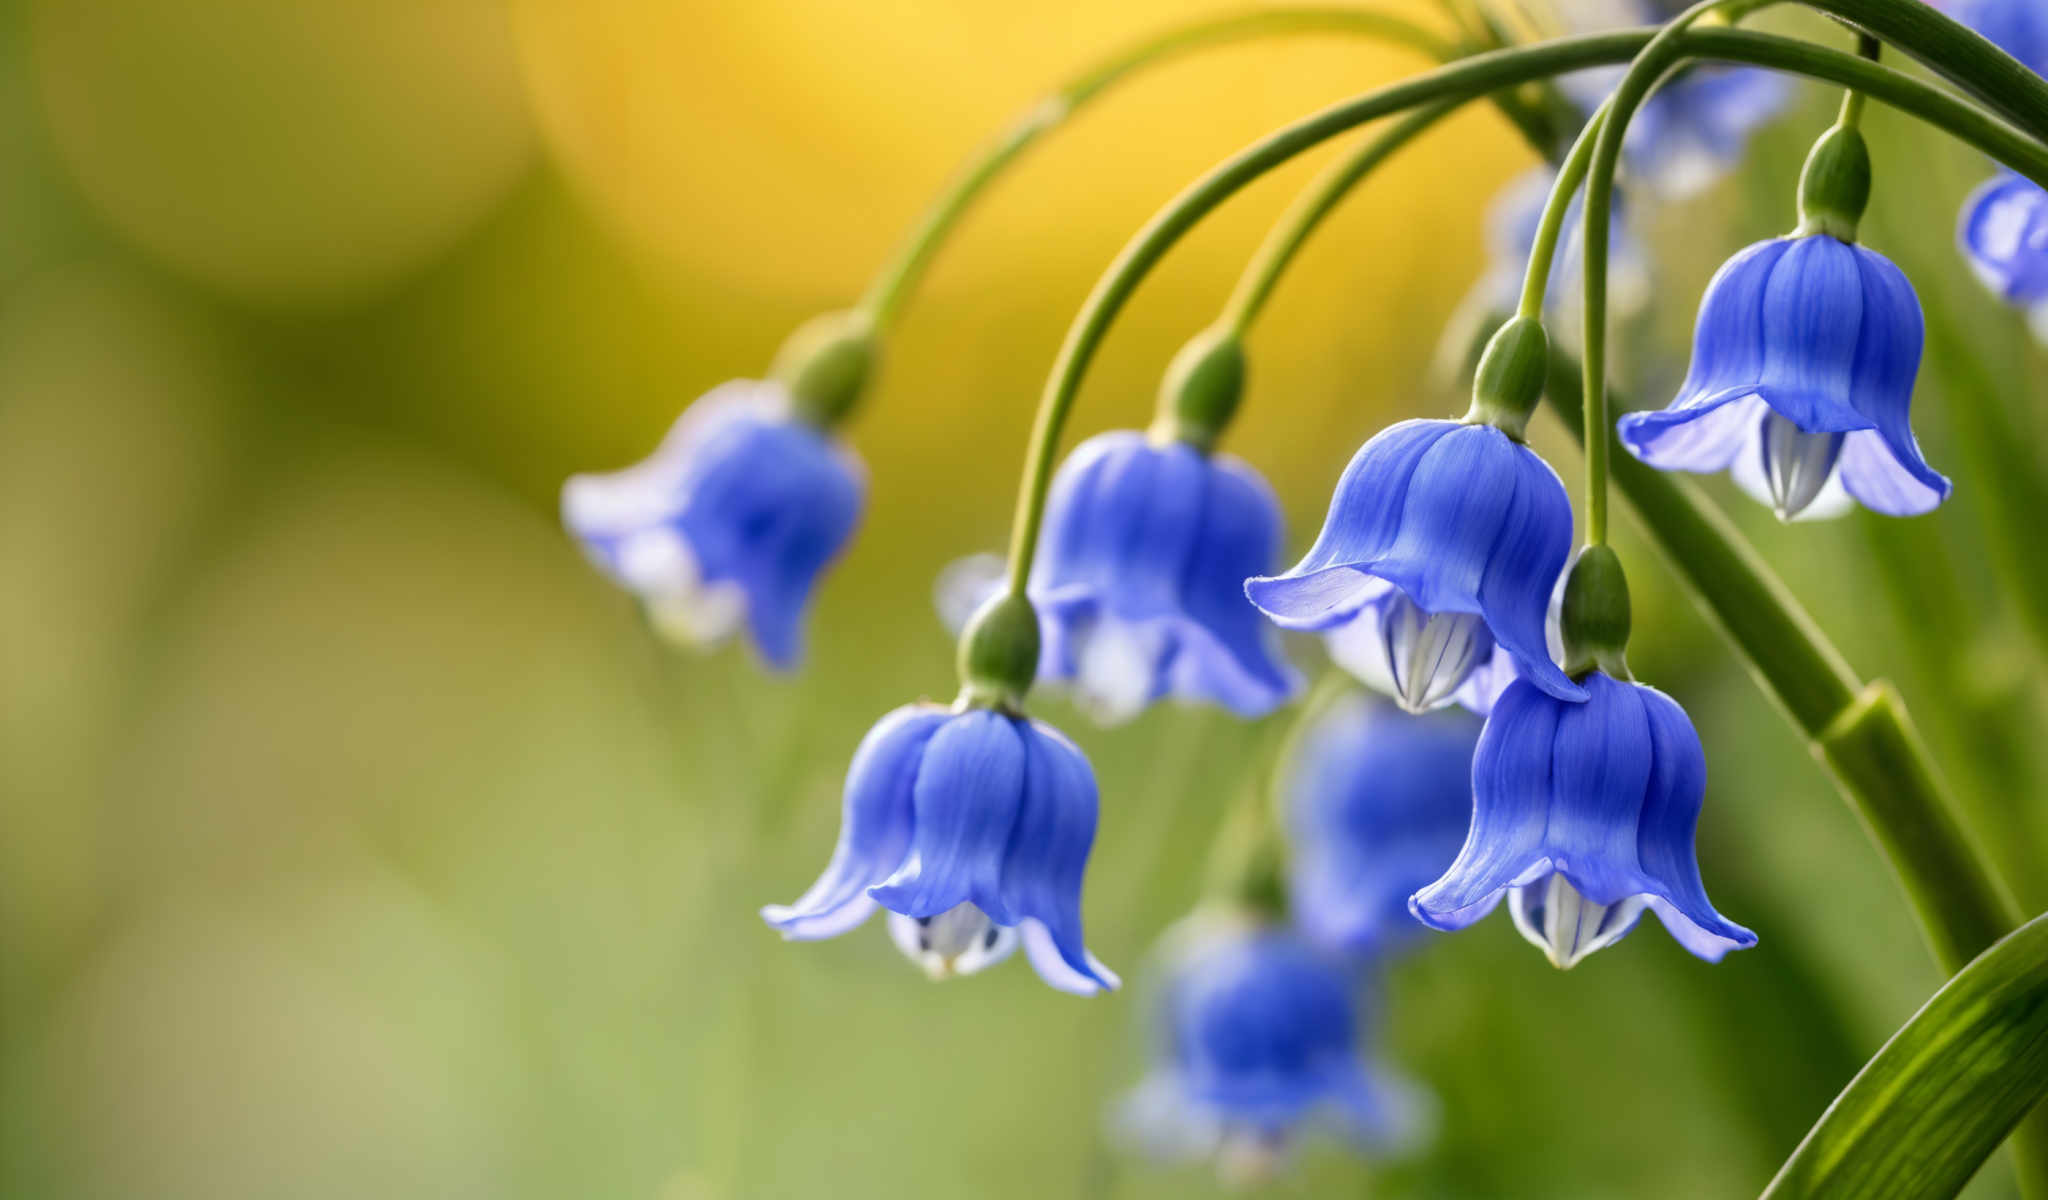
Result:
pixel 1147 567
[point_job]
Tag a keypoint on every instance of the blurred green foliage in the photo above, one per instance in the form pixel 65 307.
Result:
pixel 361 842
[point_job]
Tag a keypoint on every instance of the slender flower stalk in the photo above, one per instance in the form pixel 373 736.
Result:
pixel 892 285
pixel 1271 260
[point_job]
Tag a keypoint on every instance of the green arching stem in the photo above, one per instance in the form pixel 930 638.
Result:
pixel 1461 81
pixel 1543 252
pixel 893 283
pixel 1270 261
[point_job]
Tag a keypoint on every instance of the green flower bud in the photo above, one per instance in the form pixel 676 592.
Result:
pixel 1203 386
pixel 825 365
pixel 1834 189
pixel 1509 383
pixel 1595 620
pixel 999 653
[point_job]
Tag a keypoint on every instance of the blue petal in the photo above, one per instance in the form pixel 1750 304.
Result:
pixel 1378 803
pixel 1046 858
pixel 1326 588
pixel 1459 499
pixel 1258 1026
pixel 874 827
pixel 1598 775
pixel 1238 663
pixel 964 807
pixel 1812 317
pixel 1522 573
pixel 1728 339
pixel 1123 523
pixel 1702 435
pixel 1511 788
pixel 2004 234
pixel 1885 470
pixel 1670 819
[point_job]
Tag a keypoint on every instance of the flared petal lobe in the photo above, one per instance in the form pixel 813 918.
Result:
pixel 874 826
pixel 964 806
pixel 1378 804
pixel 1139 581
pixel 735 515
pixel 1460 518
pixel 1595 807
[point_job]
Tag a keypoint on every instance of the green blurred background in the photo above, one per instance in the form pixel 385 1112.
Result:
pixel 361 842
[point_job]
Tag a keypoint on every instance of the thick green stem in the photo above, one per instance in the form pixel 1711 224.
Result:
pixel 1255 286
pixel 1464 80
pixel 893 283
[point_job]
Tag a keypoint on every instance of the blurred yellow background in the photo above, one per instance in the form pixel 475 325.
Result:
pixel 360 842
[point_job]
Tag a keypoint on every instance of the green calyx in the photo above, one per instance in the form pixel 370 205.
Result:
pixel 1834 190
pixel 1595 620
pixel 999 653
pixel 1202 389
pixel 1512 372
pixel 826 363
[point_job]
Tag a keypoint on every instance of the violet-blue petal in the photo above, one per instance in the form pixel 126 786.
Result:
pixel 1670 823
pixel 1378 804
pixel 1886 470
pixel 1326 588
pixel 874 827
pixel 1505 844
pixel 964 807
pixel 1812 315
pixel 1523 570
pixel 2004 235
pixel 1046 858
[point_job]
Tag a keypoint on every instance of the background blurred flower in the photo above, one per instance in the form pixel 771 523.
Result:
pixel 734 517
pixel 1259 1042
pixel 1378 803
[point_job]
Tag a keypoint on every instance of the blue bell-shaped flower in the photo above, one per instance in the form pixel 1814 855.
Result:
pixel 1584 816
pixel 2004 235
pixel 1802 378
pixel 1453 534
pixel 731 520
pixel 1139 581
pixel 1378 803
pixel 972 827
pixel 1259 1041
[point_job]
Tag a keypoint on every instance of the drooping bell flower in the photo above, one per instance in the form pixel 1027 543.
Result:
pixel 1453 532
pixel 1584 815
pixel 1259 1042
pixel 1140 579
pixel 1147 541
pixel 744 504
pixel 1378 803
pixel 972 825
pixel 1695 127
pixel 1802 372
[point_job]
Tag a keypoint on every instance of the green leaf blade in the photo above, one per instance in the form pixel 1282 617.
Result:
pixel 1936 1101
